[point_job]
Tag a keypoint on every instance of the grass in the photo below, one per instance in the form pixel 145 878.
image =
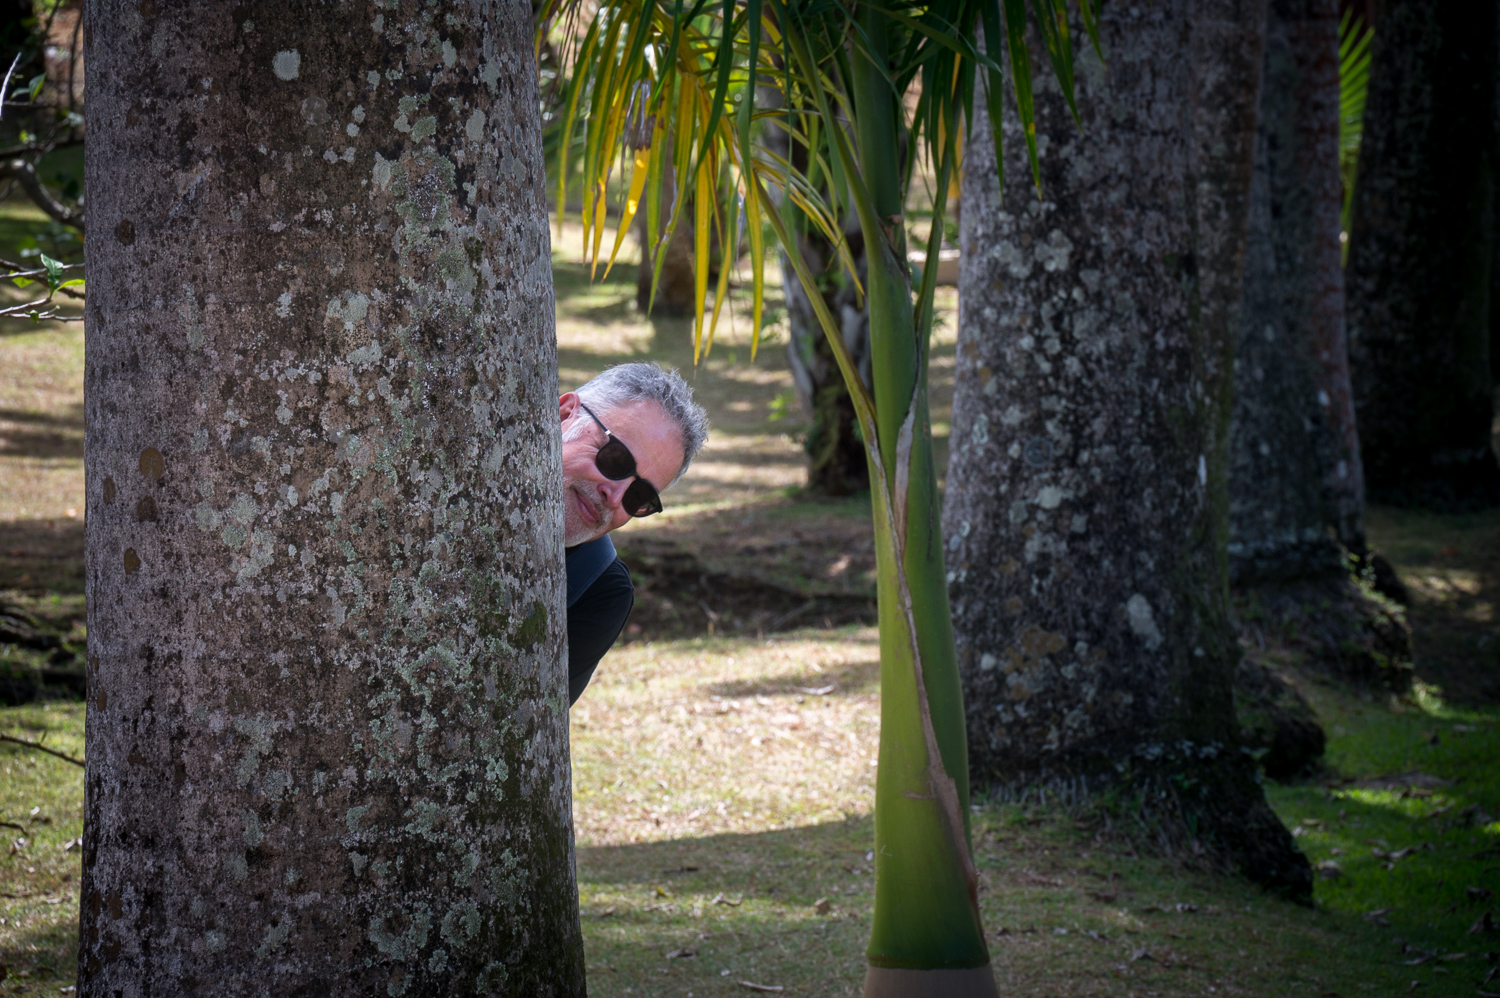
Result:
pixel 723 784
pixel 41 805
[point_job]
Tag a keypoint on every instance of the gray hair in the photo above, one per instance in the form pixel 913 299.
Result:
pixel 625 384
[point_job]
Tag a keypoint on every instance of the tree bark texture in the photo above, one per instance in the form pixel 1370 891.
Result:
pixel 1086 512
pixel 836 462
pixel 1420 256
pixel 1296 490
pixel 327 723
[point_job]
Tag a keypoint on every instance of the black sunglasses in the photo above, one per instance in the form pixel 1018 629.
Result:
pixel 616 463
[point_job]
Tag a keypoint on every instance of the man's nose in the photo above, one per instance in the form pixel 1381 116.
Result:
pixel 614 491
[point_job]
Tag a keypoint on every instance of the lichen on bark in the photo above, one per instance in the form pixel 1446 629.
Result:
pixel 1086 511
pixel 327 729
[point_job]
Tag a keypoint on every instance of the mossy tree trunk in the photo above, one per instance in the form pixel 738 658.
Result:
pixel 1420 256
pixel 327 724
pixel 1087 510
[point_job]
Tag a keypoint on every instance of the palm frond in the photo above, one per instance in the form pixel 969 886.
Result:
pixel 658 84
pixel 1355 41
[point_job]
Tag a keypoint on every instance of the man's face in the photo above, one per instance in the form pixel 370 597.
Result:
pixel 591 502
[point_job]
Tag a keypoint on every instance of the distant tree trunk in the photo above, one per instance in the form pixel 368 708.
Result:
pixel 327 729
pixel 1420 256
pixel 1296 495
pixel 1296 490
pixel 836 463
pixel 1086 506
pixel 675 291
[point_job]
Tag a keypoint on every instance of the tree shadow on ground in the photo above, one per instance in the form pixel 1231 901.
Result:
pixel 39 556
pixel 847 678
pixel 1450 563
pixel 742 903
pixel 34 434
pixel 1065 916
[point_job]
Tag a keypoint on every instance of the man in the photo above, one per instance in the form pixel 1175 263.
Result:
pixel 628 435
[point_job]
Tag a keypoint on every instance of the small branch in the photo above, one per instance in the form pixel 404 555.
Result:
pixel 5 87
pixel 40 748
pixel 40 148
pixel 25 174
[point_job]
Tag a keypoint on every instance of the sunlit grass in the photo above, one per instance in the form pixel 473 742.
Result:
pixel 1404 833
pixel 41 804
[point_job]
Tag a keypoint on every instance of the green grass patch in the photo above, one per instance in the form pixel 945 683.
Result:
pixel 41 804
pixel 1403 828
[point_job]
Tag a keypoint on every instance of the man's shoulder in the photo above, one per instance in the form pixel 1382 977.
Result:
pixel 614 578
pixel 586 563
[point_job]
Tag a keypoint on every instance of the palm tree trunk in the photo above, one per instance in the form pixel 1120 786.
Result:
pixel 1420 257
pixel 327 724
pixel 1087 511
pixel 926 936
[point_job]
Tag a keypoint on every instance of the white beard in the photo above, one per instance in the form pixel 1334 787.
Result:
pixel 575 531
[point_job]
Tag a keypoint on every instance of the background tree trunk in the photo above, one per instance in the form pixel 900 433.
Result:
pixel 327 725
pixel 1086 502
pixel 836 463
pixel 675 290
pixel 1420 256
pixel 1296 490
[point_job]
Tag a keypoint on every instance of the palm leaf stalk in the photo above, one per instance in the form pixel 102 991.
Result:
pixel 657 82
pixel 1355 39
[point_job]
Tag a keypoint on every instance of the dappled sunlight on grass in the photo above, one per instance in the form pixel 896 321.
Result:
pixel 1403 834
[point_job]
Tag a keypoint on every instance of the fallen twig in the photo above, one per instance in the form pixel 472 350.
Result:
pixel 40 748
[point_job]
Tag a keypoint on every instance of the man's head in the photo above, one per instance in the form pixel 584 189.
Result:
pixel 648 410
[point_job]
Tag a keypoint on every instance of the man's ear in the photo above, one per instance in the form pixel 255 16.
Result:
pixel 568 405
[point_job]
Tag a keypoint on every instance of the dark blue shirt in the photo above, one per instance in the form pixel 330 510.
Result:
pixel 600 598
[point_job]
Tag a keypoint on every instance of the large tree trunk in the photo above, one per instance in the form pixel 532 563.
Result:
pixel 1420 256
pixel 1086 506
pixel 327 723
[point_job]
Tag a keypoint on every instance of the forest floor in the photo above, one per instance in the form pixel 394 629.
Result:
pixel 724 756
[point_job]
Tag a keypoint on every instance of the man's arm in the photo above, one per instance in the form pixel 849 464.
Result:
pixel 594 622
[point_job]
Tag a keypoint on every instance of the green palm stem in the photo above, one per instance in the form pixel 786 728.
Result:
pixel 926 903
pixel 926 889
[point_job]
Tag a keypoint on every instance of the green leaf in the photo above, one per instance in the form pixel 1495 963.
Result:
pixel 35 86
pixel 54 271
pixel 22 282
pixel 76 282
